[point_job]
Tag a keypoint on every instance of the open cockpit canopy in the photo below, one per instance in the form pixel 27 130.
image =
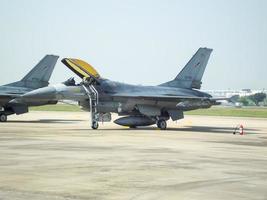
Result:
pixel 81 68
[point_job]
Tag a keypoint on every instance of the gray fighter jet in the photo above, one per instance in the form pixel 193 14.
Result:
pixel 140 105
pixel 38 77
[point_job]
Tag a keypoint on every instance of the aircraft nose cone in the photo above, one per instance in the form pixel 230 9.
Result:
pixel 42 94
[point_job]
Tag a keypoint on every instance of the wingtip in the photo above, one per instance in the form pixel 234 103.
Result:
pixel 206 48
pixel 52 55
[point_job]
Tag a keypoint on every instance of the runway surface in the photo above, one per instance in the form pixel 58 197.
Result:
pixel 56 156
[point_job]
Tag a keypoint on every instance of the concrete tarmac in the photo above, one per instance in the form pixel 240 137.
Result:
pixel 56 156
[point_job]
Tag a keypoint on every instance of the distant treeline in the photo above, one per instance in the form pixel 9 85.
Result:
pixel 257 99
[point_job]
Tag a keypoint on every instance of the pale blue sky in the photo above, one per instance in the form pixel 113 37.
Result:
pixel 140 42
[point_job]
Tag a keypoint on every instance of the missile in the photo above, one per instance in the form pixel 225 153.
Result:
pixel 133 121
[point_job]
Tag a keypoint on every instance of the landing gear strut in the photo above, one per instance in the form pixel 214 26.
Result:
pixel 3 117
pixel 162 124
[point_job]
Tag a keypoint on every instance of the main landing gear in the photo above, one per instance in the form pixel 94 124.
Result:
pixel 3 117
pixel 162 124
pixel 94 125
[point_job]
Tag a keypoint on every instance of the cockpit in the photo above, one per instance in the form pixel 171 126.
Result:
pixel 70 82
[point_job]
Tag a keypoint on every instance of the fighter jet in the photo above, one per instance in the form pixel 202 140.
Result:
pixel 38 77
pixel 139 105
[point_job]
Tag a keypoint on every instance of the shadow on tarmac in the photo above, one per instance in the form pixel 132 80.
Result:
pixel 199 129
pixel 44 121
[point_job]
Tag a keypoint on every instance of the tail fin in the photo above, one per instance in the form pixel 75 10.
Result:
pixel 39 76
pixel 191 75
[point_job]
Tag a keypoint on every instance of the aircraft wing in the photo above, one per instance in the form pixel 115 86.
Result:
pixel 158 97
pixel 232 99
pixel 172 97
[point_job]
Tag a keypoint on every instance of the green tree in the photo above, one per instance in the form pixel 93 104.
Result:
pixel 244 101
pixel 257 98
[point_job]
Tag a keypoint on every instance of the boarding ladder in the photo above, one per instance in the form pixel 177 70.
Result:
pixel 93 101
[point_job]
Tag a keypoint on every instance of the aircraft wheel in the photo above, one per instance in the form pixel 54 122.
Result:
pixel 3 118
pixel 162 124
pixel 95 125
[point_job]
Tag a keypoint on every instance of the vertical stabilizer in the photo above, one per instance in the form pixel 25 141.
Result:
pixel 39 76
pixel 191 75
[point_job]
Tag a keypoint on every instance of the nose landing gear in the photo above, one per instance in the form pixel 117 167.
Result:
pixel 93 101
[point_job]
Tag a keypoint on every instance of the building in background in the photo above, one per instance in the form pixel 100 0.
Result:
pixel 229 92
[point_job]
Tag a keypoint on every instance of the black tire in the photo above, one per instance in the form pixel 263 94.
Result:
pixel 3 117
pixel 162 124
pixel 95 125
